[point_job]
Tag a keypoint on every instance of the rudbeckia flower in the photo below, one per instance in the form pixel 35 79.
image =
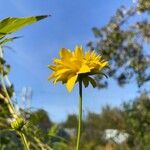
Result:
pixel 75 65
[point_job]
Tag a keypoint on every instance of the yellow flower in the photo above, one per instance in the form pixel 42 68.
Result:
pixel 72 66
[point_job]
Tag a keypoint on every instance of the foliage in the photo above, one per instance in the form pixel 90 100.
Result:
pixel 137 117
pixel 122 42
pixel 132 118
pixel 14 126
pixel 71 122
pixel 11 25
pixel 143 6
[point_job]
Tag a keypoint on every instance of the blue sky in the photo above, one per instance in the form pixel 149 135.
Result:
pixel 69 25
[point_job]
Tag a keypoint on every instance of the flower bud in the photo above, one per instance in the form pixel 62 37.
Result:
pixel 18 124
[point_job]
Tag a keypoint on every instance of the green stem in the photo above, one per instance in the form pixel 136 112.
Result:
pixel 24 141
pixel 80 115
pixel 40 144
pixel 10 106
pixel 7 99
pixel 12 110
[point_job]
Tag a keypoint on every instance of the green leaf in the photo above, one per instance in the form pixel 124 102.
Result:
pixel 85 82
pixel 10 25
pixel 8 40
pixel 2 61
pixel 6 70
pixel 60 146
pixel 7 130
pixel 104 75
pixel 53 131
pixel 92 81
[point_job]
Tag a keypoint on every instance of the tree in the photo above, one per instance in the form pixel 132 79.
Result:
pixel 122 42
pixel 41 119
pixel 71 122
pixel 137 118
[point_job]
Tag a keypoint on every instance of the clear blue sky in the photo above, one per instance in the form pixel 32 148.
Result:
pixel 70 24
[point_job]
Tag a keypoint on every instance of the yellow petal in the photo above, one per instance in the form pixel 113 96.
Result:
pixel 79 52
pixel 57 79
pixel 57 61
pixel 84 69
pixel 64 53
pixel 51 77
pixel 51 67
pixel 61 71
pixel 71 82
pixel 87 55
pixel 104 64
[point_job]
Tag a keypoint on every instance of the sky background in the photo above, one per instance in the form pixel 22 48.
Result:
pixel 70 24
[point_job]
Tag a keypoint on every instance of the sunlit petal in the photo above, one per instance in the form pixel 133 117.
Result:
pixel 71 82
pixel 75 64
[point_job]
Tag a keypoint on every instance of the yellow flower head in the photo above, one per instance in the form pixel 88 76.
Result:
pixel 72 66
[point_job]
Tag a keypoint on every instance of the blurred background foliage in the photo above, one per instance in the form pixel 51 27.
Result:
pixel 122 41
pixel 133 118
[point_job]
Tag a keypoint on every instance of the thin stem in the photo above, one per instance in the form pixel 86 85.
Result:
pixel 7 99
pixel 10 106
pixel 41 145
pixel 80 115
pixel 12 110
pixel 24 141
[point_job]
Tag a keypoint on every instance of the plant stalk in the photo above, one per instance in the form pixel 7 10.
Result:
pixel 24 141
pixel 12 110
pixel 7 98
pixel 80 115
